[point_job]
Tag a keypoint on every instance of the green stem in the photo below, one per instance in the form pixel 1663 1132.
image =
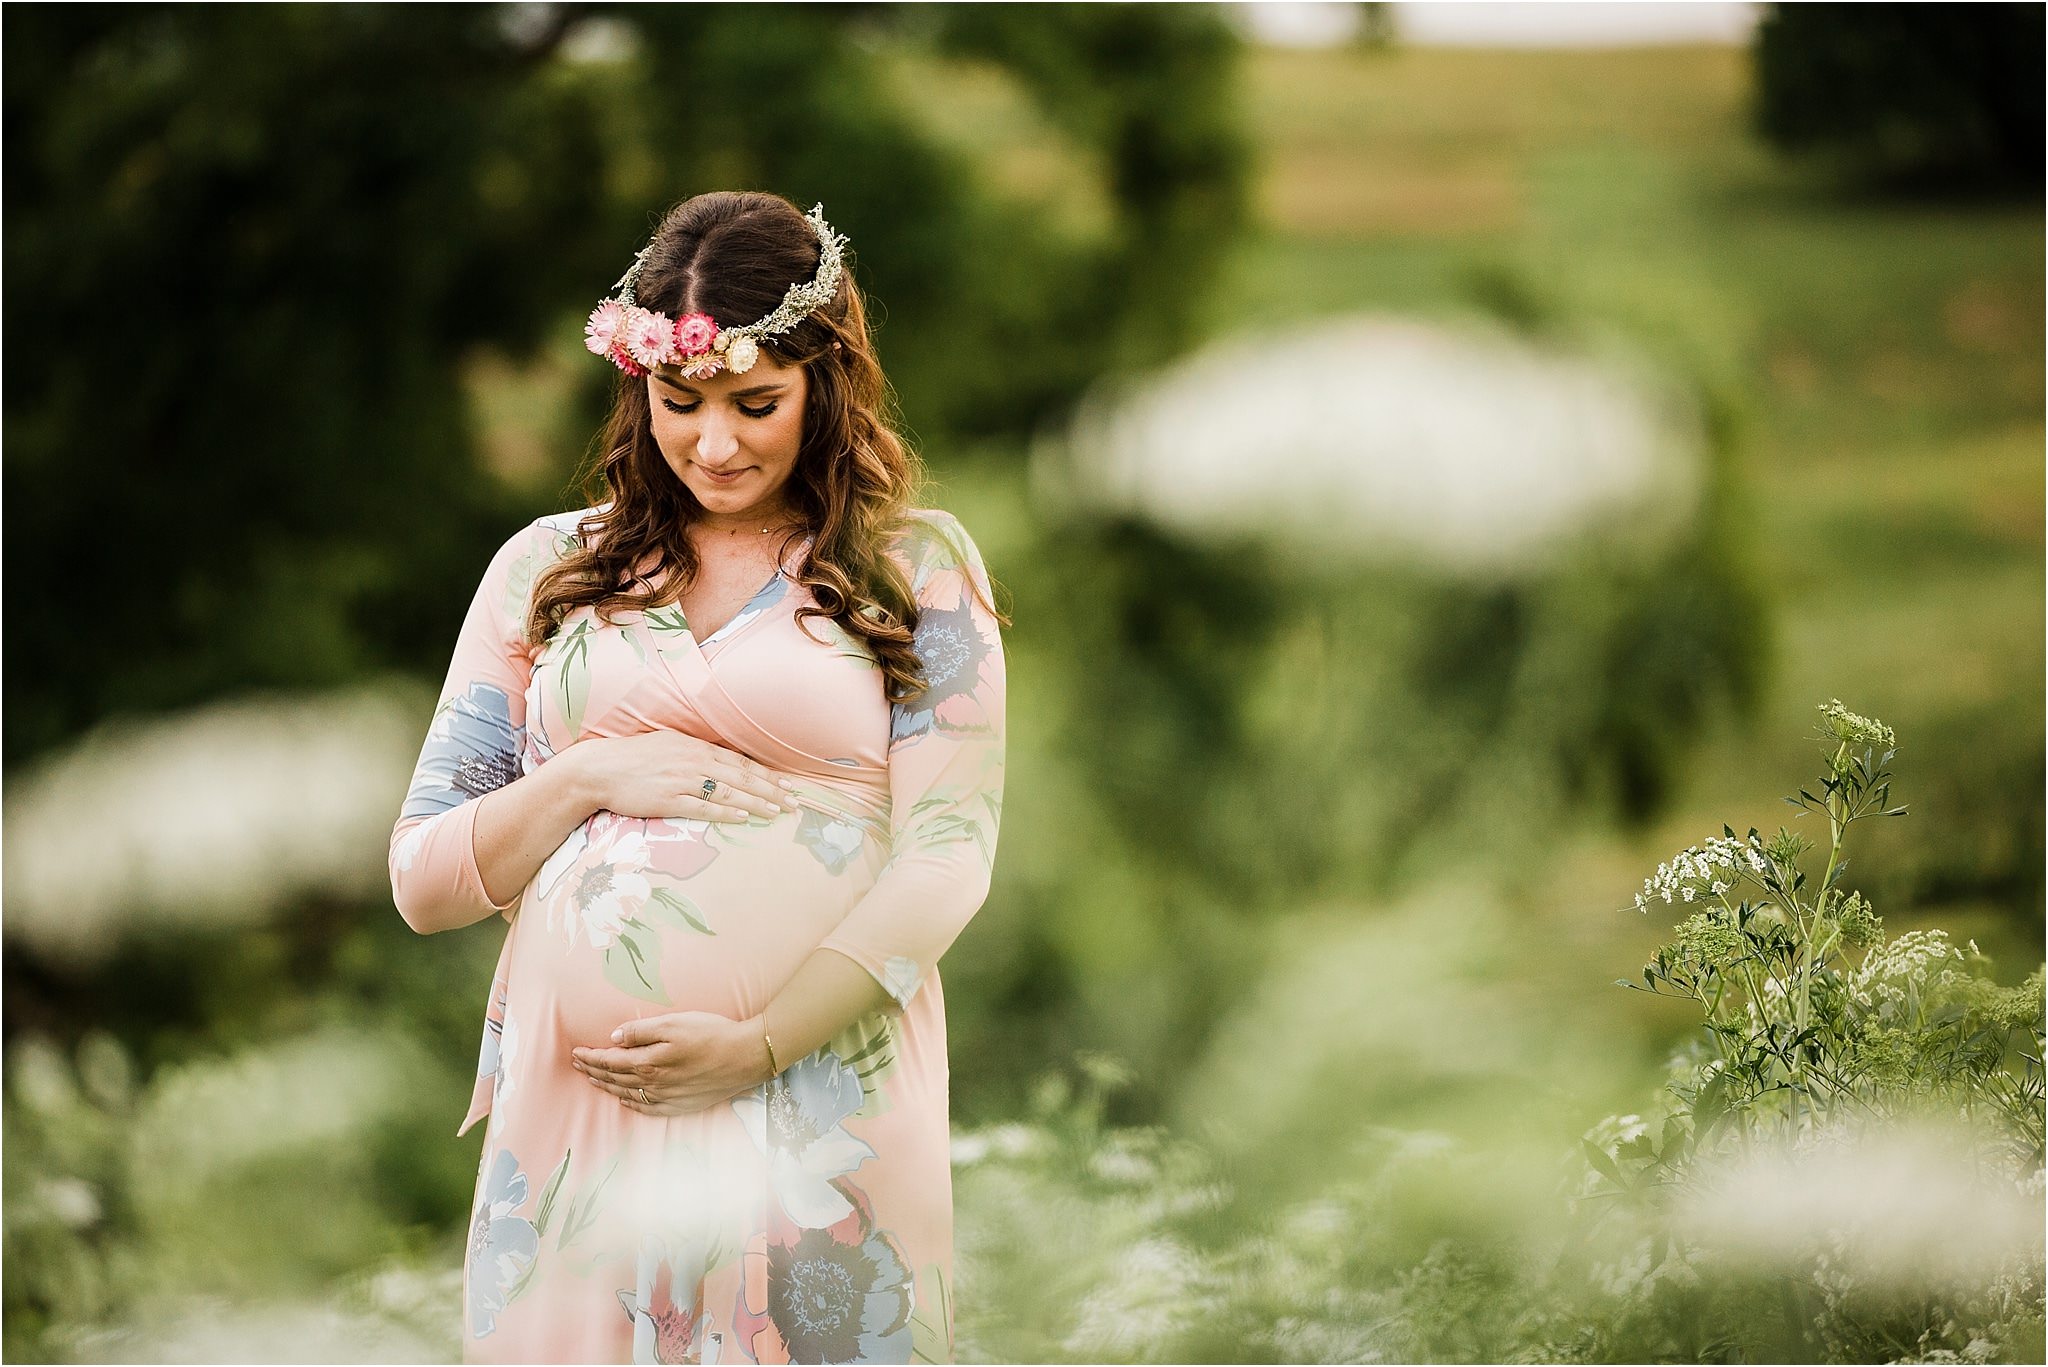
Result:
pixel 1802 1008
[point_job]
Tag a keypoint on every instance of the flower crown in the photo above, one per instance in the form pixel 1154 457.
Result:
pixel 636 340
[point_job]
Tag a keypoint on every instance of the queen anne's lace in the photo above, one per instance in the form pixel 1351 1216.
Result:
pixel 637 340
pixel 1699 867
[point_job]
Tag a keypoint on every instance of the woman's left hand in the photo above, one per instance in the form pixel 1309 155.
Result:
pixel 685 1061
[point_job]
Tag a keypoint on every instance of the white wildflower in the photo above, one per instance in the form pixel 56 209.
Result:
pixel 1698 867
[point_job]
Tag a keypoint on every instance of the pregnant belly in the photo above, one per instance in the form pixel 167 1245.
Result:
pixel 636 918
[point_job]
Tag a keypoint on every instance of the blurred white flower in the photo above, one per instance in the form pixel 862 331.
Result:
pixel 1156 1294
pixel 1904 1206
pixel 221 816
pixel 1452 444
pixel 71 1201
pixel 213 1329
pixel 1009 1140
pixel 201 1117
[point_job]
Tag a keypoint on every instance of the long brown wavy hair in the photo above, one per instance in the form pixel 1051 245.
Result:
pixel 732 254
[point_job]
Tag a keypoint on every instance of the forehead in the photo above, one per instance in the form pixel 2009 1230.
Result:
pixel 766 374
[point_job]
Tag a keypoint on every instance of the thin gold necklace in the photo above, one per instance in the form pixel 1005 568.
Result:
pixel 799 522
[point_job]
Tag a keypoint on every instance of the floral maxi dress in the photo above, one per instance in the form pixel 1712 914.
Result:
pixel 806 1220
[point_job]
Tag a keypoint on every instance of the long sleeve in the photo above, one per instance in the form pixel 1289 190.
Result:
pixel 945 771
pixel 475 744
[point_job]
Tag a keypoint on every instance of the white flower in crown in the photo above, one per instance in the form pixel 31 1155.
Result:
pixel 741 355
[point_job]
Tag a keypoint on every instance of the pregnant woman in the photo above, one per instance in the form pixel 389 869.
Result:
pixel 726 751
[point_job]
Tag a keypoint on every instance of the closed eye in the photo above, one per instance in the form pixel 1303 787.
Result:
pixel 675 407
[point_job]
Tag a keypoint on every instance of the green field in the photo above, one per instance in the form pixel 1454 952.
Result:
pixel 1889 355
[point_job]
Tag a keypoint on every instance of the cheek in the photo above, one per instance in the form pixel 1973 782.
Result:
pixel 783 435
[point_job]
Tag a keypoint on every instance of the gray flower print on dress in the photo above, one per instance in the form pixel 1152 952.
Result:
pixel 949 644
pixel 501 1245
pixel 472 748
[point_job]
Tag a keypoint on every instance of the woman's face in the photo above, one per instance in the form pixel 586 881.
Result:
pixel 731 439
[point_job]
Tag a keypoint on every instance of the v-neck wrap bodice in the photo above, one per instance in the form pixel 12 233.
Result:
pixel 801 696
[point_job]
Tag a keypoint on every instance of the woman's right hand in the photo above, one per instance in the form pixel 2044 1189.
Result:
pixel 660 774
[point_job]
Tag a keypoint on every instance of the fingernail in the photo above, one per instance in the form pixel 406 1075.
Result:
pixel 787 786
pixel 618 1035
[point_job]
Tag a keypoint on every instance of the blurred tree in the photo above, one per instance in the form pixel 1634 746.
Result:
pixel 1148 93
pixel 1913 94
pixel 294 220
pixel 371 195
pixel 1379 30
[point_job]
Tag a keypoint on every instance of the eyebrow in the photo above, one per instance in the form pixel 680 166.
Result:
pixel 747 393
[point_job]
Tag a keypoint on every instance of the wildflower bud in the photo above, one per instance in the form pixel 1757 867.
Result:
pixel 1844 725
pixel 1861 927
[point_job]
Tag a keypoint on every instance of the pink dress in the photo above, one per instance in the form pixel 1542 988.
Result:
pixel 807 1220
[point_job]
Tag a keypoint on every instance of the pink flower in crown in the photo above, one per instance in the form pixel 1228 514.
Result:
pixel 602 331
pixel 650 337
pixel 694 333
pixel 624 361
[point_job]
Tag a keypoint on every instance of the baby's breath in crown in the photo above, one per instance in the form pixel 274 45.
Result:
pixel 636 340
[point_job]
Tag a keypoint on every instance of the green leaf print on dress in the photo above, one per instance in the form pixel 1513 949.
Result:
pixel 632 962
pixel 568 654
pixel 555 544
pixel 869 1046
pixel 582 1213
pixel 677 909
pixel 550 1193
pixel 931 1323
pixel 670 629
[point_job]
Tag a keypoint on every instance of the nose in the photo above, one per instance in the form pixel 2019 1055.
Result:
pixel 716 443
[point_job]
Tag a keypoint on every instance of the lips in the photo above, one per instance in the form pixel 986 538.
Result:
pixel 726 478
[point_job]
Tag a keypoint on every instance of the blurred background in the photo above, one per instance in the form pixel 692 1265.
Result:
pixel 1439 456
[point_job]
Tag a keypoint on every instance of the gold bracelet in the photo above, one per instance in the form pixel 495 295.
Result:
pixel 771 1049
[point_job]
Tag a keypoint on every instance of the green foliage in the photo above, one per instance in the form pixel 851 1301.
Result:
pixel 302 224
pixel 1229 735
pixel 1813 1016
pixel 1942 94
pixel 1823 1036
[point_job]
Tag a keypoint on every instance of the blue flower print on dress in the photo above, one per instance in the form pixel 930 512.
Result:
pixel 498 1055
pixel 795 1119
pixel 764 598
pixel 472 748
pixel 951 648
pixel 834 840
pixel 501 1245
pixel 840 1302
